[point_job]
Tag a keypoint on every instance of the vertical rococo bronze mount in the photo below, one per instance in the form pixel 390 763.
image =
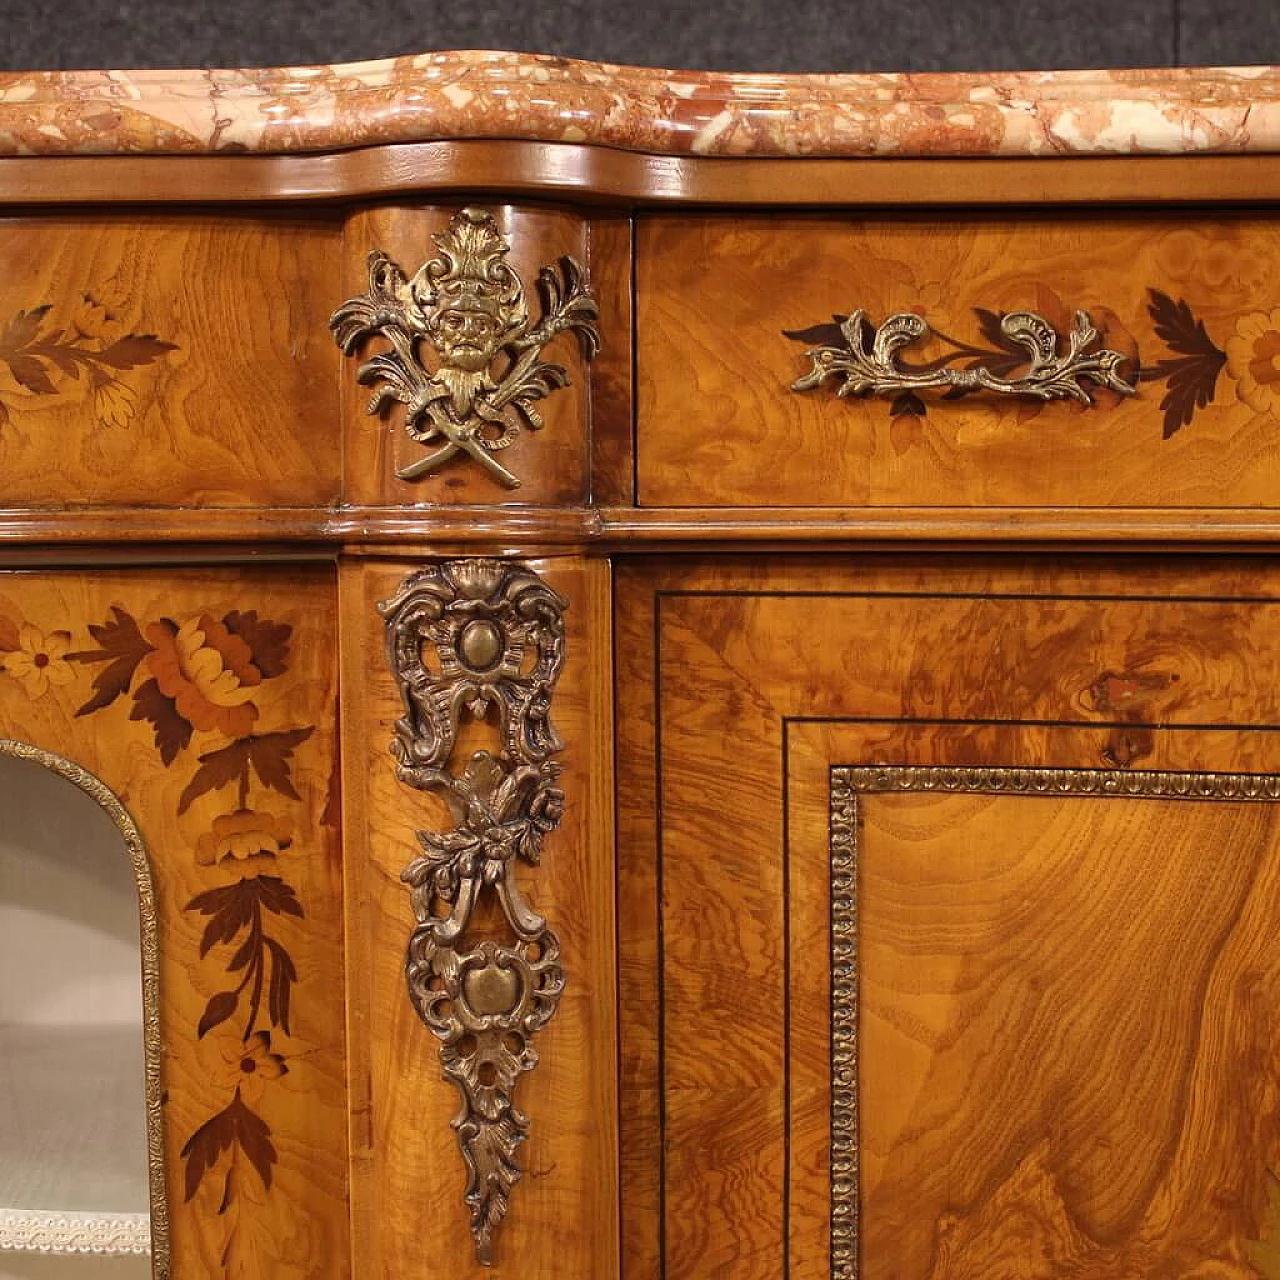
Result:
pixel 465 637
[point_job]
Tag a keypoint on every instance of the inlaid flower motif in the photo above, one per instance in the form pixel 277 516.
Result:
pixel 242 835
pixel 40 660
pixel 209 673
pixel 249 1064
pixel 97 315
pixel 1253 360
pixel 1212 262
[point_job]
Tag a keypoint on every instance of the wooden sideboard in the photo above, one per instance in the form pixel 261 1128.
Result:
pixel 690 680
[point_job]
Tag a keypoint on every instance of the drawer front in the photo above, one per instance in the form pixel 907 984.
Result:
pixel 982 982
pixel 168 360
pixel 729 308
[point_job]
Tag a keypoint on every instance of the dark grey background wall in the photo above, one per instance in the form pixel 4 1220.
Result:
pixel 748 35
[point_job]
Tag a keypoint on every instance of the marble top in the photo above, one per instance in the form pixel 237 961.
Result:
pixel 524 96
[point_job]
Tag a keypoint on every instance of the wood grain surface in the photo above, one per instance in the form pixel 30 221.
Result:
pixel 171 360
pixel 1066 1041
pixel 613 424
pixel 407 1173
pixel 206 701
pixel 605 176
pixel 1090 1160
pixel 1189 300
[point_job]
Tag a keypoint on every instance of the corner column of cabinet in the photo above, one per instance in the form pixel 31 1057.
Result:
pixel 476 716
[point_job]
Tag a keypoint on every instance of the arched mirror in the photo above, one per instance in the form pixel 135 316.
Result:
pixel 81 1191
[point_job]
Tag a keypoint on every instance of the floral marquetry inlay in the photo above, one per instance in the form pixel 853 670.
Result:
pixel 197 690
pixel 47 354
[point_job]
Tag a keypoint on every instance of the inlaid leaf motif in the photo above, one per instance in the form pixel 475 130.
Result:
pixel 218 1010
pixel 122 648
pixel 234 1127
pixel 270 755
pixel 821 335
pixel 241 908
pixel 133 350
pixel 1191 374
pixel 283 976
pixel 30 373
pixel 172 732
pixel 32 355
pixel 229 910
pixel 268 641
pixel 21 330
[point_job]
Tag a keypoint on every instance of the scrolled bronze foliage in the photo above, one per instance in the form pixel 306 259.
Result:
pixel 464 637
pixel 468 306
pixel 866 362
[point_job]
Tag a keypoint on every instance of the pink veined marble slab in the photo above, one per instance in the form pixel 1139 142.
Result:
pixel 507 95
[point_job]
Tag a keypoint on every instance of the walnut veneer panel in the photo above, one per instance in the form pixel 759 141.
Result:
pixel 206 701
pixel 1066 1017
pixel 741 687
pixel 1194 299
pixel 164 360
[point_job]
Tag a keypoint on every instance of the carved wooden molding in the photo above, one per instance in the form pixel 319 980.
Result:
pixel 464 637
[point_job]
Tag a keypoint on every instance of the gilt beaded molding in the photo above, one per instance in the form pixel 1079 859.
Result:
pixel 848 784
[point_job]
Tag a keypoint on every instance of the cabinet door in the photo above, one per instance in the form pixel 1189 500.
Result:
pixel 199 708
pixel 948 897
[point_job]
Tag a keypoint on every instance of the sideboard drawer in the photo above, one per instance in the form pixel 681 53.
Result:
pixel 733 310
pixel 169 359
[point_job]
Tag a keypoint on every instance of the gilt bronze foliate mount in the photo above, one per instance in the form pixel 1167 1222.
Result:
pixel 477 389
pixel 866 360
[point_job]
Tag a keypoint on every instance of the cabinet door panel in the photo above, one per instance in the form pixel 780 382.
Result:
pixel 205 701
pixel 1057 1007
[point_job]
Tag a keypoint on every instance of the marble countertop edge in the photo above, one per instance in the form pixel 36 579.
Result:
pixel 481 94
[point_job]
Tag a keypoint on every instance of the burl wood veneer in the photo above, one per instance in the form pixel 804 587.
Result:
pixel 727 308
pixel 786 835
pixel 1059 1012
